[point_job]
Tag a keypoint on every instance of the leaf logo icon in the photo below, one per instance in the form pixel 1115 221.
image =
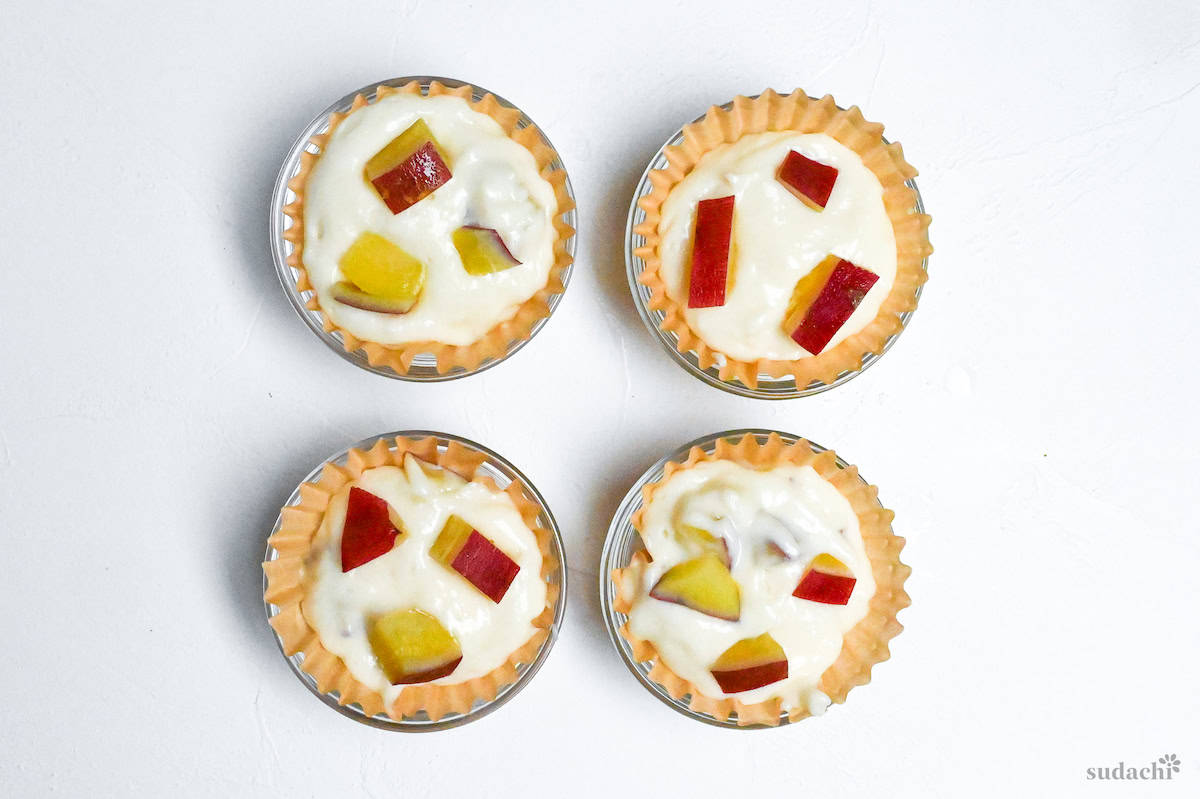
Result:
pixel 1171 762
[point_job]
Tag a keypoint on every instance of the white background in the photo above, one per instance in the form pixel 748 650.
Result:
pixel 1033 429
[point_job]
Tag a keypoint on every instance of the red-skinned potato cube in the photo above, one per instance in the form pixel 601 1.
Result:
pixel 703 584
pixel 408 169
pixel 813 324
pixel 478 560
pixel 810 181
pixel 747 679
pixel 368 531
pixel 482 250
pixel 710 253
pixel 485 566
pixel 349 294
pixel 826 580
pixel 412 646
pixel 413 180
pixel 750 663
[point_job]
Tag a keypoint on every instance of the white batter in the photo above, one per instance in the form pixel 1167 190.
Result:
pixel 790 506
pixel 338 604
pixel 776 240
pixel 495 184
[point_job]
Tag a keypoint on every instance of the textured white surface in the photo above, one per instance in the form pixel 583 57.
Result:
pixel 1033 429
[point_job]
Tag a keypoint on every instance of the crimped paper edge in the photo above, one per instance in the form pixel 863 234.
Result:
pixel 863 646
pixel 495 342
pixel 797 111
pixel 286 586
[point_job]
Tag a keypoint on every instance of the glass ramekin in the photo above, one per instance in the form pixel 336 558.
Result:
pixel 503 473
pixel 424 366
pixel 768 387
pixel 623 541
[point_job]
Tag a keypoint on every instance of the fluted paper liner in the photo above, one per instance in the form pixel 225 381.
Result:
pixel 863 646
pixel 797 112
pixel 495 342
pixel 286 584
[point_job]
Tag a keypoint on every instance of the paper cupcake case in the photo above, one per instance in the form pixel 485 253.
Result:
pixel 419 706
pixel 864 645
pixel 795 112
pixel 428 360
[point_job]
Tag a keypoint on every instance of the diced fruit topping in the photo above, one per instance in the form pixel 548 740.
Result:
pixel 412 646
pixel 808 288
pixel 700 540
pixel 380 276
pixel 377 266
pixel 482 250
pixel 750 663
pixel 409 169
pixel 811 181
pixel 710 253
pixel 368 531
pixel 823 300
pixel 826 580
pixel 352 295
pixel 703 584
pixel 482 563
